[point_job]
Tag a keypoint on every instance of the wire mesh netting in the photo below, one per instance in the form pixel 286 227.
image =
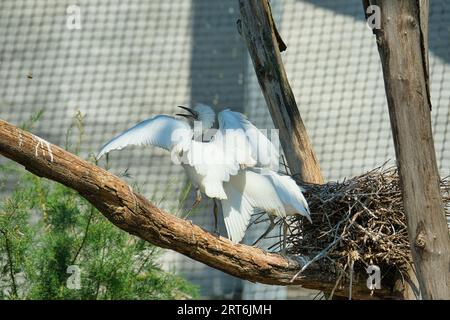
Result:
pixel 131 60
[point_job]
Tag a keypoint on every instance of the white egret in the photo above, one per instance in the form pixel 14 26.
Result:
pixel 234 166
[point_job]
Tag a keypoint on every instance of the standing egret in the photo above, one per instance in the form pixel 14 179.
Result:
pixel 234 166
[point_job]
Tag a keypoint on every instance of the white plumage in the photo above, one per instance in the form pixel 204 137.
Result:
pixel 162 131
pixel 261 189
pixel 235 166
pixel 262 149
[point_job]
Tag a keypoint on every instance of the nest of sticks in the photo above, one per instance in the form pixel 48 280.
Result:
pixel 356 223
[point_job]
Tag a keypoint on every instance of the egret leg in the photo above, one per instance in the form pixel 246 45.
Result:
pixel 285 230
pixel 270 228
pixel 216 220
pixel 198 199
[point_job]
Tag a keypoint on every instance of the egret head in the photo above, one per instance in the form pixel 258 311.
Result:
pixel 201 112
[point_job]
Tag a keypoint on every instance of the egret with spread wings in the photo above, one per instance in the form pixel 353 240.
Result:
pixel 235 166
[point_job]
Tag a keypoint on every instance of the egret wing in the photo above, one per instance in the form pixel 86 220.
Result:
pixel 249 136
pixel 275 191
pixel 290 193
pixel 237 211
pixel 259 190
pixel 161 131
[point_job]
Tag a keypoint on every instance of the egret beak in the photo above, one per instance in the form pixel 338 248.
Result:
pixel 193 114
pixel 184 115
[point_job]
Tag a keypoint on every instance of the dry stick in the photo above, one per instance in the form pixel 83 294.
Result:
pixel 341 274
pixel 350 287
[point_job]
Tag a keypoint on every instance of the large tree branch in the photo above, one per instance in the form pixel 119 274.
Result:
pixel 402 43
pixel 136 215
pixel 263 42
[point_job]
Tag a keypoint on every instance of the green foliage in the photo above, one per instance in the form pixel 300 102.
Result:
pixel 46 227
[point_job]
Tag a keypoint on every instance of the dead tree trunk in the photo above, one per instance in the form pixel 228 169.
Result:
pixel 263 42
pixel 402 44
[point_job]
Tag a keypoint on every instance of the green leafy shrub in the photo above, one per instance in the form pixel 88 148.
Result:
pixel 45 228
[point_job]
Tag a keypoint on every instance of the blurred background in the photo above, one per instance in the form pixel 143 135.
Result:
pixel 133 59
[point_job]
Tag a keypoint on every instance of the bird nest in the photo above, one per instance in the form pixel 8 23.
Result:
pixel 356 223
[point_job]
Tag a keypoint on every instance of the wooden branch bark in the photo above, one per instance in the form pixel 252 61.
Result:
pixel 134 214
pixel 263 42
pixel 402 44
